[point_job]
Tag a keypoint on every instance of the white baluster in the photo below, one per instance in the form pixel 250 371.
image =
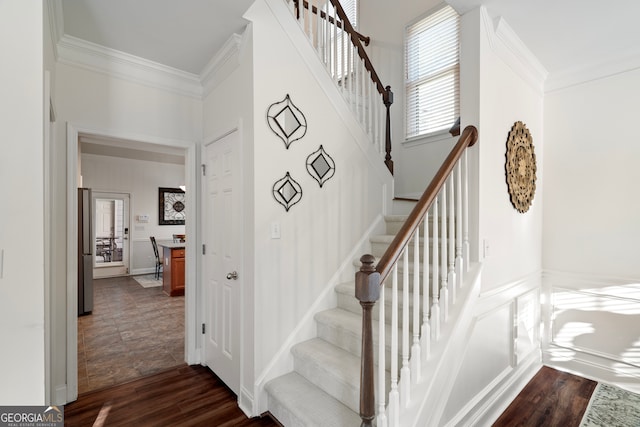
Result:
pixel 334 59
pixel 292 7
pixel 465 212
pixel 394 398
pixel 435 281
pixel 459 261
pixel 381 416
pixel 343 56
pixel 405 372
pixel 444 291
pixel 426 327
pixel 370 92
pixel 415 348
pixel 327 41
pixel 319 35
pixel 451 242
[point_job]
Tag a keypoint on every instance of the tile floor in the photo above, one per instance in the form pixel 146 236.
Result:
pixel 132 332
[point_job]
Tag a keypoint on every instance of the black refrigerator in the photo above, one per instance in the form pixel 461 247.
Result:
pixel 85 253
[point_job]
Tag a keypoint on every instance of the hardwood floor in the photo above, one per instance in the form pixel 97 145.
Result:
pixel 551 398
pixel 132 332
pixel 181 396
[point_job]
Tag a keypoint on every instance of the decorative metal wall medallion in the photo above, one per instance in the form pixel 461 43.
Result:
pixel 521 167
pixel 287 191
pixel 286 121
pixel 321 166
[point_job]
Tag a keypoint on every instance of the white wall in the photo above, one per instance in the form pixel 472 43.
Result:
pixel 319 233
pixel 504 347
pixel 22 311
pixel 591 228
pixel 591 209
pixel 140 179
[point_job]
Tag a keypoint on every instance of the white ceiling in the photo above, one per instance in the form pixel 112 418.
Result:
pixel 182 34
pixel 569 35
pixel 563 34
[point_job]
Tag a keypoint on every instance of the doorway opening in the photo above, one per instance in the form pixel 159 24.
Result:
pixel 110 234
pixel 135 329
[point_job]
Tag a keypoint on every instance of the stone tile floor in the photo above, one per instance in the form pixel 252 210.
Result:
pixel 132 332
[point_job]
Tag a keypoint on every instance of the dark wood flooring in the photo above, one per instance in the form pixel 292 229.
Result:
pixel 551 398
pixel 188 396
pixel 181 396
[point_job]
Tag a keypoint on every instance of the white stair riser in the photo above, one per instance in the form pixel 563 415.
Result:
pixel 393 225
pixel 352 343
pixel 349 303
pixel 343 388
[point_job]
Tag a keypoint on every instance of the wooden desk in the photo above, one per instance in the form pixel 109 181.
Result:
pixel 173 268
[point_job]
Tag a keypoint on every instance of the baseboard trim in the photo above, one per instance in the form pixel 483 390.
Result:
pixel 594 367
pixel 245 402
pixel 60 395
pixel 496 399
pixel 139 271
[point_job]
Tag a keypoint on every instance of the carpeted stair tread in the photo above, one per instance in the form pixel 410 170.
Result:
pixel 294 401
pixel 332 369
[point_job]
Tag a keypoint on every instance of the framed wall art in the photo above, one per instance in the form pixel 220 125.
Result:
pixel 171 206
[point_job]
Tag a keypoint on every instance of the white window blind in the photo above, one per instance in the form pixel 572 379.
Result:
pixel 432 73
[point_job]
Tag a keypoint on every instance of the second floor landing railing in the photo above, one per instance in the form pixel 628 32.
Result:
pixel 435 236
pixel 340 48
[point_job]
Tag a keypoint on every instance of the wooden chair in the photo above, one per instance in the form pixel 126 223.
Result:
pixel 156 253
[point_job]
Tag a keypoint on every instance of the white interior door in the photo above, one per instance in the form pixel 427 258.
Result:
pixel 222 258
pixel 110 234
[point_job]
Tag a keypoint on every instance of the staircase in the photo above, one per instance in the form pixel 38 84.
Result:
pixel 344 376
pixel 324 388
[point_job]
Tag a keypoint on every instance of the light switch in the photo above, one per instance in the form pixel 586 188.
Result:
pixel 275 230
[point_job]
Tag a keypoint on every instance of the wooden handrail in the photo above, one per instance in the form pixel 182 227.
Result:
pixel 356 38
pixel 324 15
pixel 467 139
pixel 369 279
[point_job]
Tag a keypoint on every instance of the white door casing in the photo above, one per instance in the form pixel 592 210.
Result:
pixel 222 258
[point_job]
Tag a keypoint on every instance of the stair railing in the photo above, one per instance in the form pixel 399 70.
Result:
pixel 341 50
pixel 441 215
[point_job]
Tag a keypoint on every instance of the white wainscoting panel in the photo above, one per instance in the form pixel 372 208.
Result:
pixel 593 328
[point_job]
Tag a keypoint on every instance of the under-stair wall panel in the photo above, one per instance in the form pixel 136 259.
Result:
pixel 324 231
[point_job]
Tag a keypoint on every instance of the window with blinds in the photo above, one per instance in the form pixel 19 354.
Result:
pixel 432 73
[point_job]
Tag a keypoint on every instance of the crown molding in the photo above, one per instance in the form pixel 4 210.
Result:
pixel 94 57
pixel 506 44
pixel 594 71
pixel 222 63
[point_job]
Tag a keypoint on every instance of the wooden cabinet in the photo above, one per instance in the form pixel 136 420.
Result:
pixel 173 271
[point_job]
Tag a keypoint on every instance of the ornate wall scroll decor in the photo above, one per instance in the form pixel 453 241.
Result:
pixel 320 166
pixel 171 206
pixel 520 167
pixel 287 191
pixel 286 121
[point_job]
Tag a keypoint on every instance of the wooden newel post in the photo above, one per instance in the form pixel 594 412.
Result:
pixel 367 292
pixel 387 98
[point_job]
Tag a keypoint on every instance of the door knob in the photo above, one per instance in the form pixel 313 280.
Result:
pixel 233 275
